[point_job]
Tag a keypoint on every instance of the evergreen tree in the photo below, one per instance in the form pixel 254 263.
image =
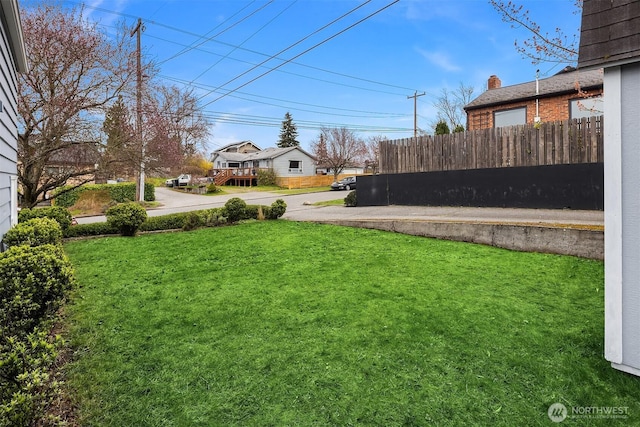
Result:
pixel 442 128
pixel 288 133
pixel 117 126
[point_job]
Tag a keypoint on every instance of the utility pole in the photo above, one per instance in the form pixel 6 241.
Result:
pixel 415 111
pixel 140 187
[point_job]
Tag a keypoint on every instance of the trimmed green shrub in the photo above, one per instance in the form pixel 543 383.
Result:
pixel 277 209
pixel 251 212
pixel 27 387
pixel 192 221
pixel 149 192
pixel 267 177
pixel 234 209
pixel 94 229
pixel 164 222
pixel 211 188
pixel 33 282
pixel 351 199
pixel 34 232
pixel 126 217
pixel 119 193
pixel 213 217
pixel 58 213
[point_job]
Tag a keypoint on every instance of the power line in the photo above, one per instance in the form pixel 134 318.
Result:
pixel 369 113
pixel 294 74
pixel 287 48
pixel 179 30
pixel 244 41
pixel 304 52
pixel 263 121
pixel 206 39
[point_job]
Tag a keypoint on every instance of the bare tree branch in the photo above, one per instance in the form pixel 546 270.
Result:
pixel 541 46
pixel 338 148
pixel 75 71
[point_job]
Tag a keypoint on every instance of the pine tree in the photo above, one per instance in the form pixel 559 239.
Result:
pixel 288 133
pixel 442 128
pixel 119 132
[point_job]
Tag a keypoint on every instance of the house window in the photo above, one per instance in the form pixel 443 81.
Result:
pixel 515 116
pixel 586 107
pixel 295 166
pixel 234 164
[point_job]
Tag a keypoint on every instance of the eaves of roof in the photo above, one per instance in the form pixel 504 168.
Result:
pixel 269 153
pixel 559 84
pixel 609 34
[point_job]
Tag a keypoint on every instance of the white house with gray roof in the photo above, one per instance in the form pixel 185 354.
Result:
pixel 245 155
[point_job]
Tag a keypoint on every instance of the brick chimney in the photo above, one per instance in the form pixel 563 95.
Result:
pixel 494 83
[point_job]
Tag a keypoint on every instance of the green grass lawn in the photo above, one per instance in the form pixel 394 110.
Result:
pixel 284 323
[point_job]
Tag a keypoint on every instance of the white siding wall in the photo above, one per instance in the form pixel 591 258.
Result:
pixel 8 133
pixel 281 164
pixel 622 217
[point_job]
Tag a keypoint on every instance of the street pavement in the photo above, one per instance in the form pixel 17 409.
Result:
pixel 300 207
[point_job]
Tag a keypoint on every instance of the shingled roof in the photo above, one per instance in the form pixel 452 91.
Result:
pixel 558 84
pixel 609 32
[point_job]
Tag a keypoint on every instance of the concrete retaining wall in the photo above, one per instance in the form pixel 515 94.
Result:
pixel 585 242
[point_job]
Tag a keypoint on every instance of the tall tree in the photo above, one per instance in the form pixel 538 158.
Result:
pixel 121 144
pixel 450 106
pixel 74 72
pixel 372 153
pixel 337 148
pixel 288 133
pixel 174 128
pixel 541 46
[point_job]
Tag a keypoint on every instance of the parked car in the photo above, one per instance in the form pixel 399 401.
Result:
pixel 348 183
pixel 181 180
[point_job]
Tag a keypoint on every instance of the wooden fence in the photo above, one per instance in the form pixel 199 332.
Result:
pixel 552 143
pixel 306 181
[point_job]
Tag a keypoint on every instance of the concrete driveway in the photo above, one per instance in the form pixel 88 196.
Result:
pixel 173 201
pixel 570 232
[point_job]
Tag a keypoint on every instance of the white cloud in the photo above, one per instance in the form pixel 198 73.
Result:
pixel 439 59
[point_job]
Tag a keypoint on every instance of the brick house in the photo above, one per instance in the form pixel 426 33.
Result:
pixel 570 94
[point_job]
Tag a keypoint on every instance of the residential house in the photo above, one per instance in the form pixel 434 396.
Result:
pixel 240 162
pixel 351 169
pixel 570 94
pixel 610 39
pixel 12 61
pixel 75 157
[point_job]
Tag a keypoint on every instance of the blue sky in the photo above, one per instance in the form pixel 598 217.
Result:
pixel 359 79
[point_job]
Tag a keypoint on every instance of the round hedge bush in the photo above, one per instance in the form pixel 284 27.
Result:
pixel 34 232
pixel 60 214
pixel 126 217
pixel 351 199
pixel 278 208
pixel 234 209
pixel 33 283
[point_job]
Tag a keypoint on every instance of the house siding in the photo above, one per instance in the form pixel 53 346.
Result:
pixel 630 132
pixel 8 131
pixel 281 164
pixel 550 109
